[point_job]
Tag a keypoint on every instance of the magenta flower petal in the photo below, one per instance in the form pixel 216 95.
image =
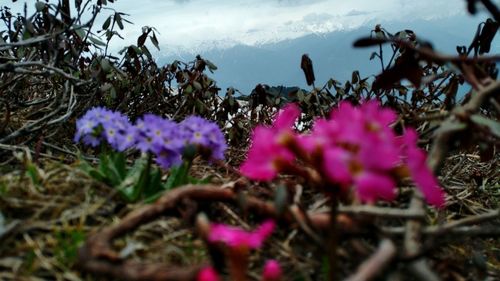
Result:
pixel 272 271
pixel 420 172
pixel 287 117
pixel 324 134
pixel 265 155
pixel 378 154
pixel 371 186
pixel 260 172
pixel 336 165
pixel 382 116
pixel 208 274
pixel 261 233
pixel 235 237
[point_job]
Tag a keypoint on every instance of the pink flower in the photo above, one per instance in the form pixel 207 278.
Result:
pixel 322 135
pixel 272 271
pixel 235 237
pixel 207 274
pixel 420 172
pixel 359 149
pixel 353 124
pixel 287 117
pixel 268 154
pixel 373 186
pixel 336 164
pixel 355 149
pixel 344 168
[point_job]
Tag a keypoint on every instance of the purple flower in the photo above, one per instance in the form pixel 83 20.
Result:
pixel 164 139
pixel 167 139
pixel 167 158
pixel 100 124
pixel 128 138
pixel 201 132
pixel 154 132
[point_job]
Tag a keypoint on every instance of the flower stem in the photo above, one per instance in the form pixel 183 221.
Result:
pixel 333 239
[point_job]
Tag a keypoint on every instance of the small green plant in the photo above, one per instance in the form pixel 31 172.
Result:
pixel 68 242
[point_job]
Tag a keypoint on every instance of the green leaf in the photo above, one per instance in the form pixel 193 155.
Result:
pixel 39 5
pixel 155 187
pixel 96 174
pixel 355 77
pixel 135 180
pixel 105 65
pixel 32 172
pixel 106 23
pixel 154 40
pixel 96 41
pixel 197 85
pixel 118 20
pixel 80 32
pixel 330 84
pixel 188 90
pixel 300 95
pixel 112 93
pixel 120 164
pixel 492 125
pixel 211 66
pixel 178 176
pixel 27 35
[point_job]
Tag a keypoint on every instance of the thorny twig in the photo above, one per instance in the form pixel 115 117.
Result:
pixel 436 156
pixel 98 257
pixel 376 263
pixel 67 103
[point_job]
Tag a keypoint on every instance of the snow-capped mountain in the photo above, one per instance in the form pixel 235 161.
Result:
pixel 278 62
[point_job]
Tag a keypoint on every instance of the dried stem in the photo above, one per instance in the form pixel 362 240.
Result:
pixel 370 268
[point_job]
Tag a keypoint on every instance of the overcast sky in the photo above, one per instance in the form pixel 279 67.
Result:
pixel 193 23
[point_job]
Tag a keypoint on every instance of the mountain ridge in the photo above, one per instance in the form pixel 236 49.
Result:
pixel 244 66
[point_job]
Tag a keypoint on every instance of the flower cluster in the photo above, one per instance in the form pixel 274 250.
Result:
pixel 100 124
pixel 165 139
pixel 238 242
pixel 355 149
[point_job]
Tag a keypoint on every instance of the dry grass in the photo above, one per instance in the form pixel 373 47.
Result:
pixel 49 216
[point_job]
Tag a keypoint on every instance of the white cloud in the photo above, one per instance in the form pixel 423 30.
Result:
pixel 193 23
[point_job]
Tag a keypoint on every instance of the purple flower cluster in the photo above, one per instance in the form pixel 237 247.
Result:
pixel 164 138
pixel 201 132
pixel 100 124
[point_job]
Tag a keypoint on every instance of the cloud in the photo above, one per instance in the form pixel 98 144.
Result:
pixel 355 12
pixel 317 17
pixel 193 23
pixel 298 2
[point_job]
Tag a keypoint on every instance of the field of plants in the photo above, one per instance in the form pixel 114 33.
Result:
pixel 116 168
